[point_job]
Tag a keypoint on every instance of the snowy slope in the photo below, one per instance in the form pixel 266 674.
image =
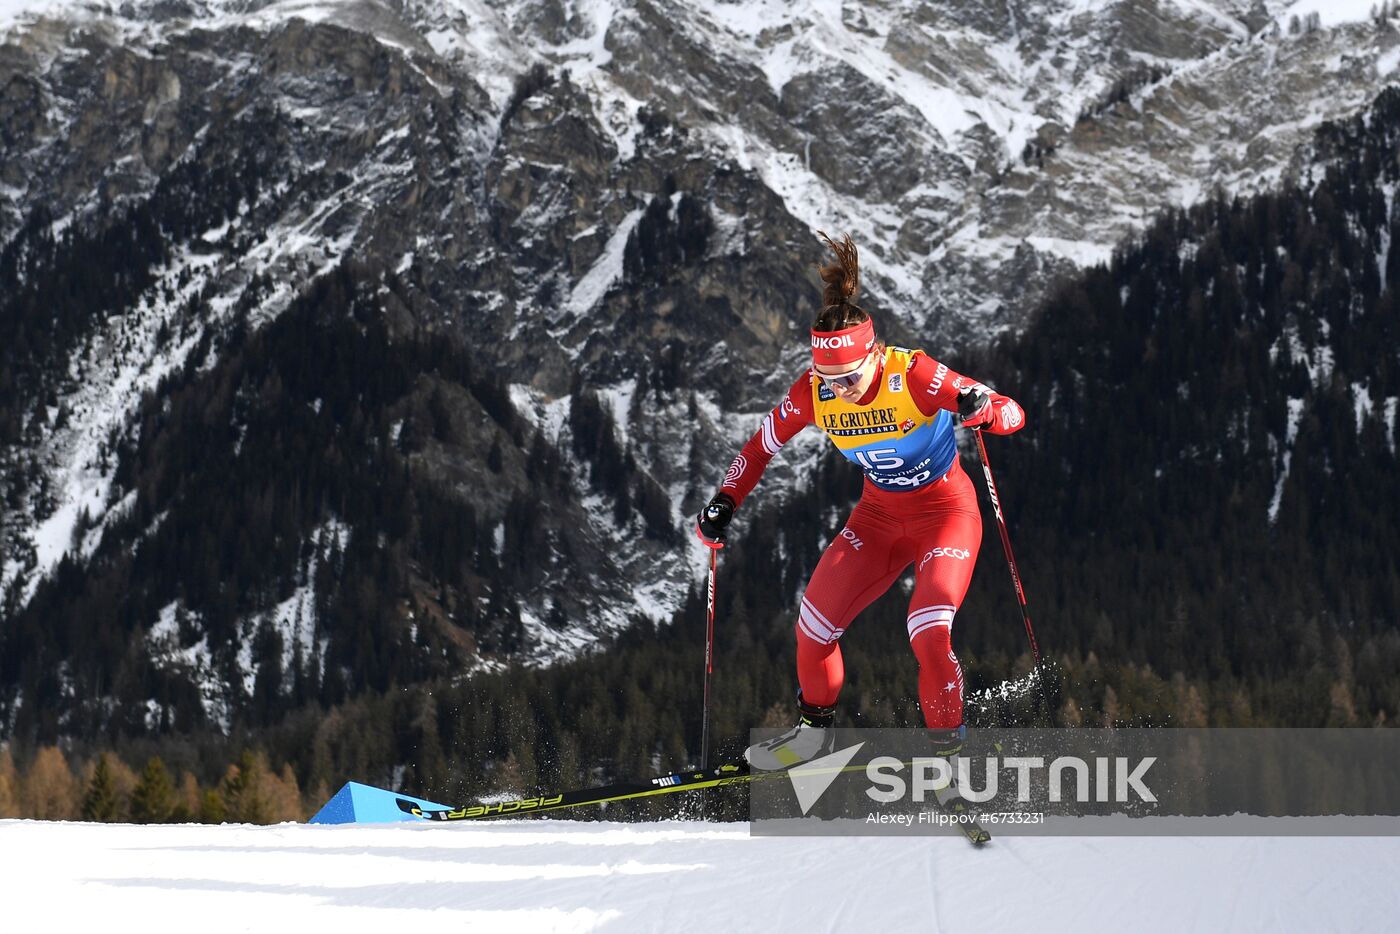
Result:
pixel 677 877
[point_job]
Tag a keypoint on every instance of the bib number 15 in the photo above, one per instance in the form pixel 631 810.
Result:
pixel 880 459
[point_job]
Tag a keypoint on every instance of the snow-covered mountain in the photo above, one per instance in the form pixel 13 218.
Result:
pixel 594 197
pixel 952 139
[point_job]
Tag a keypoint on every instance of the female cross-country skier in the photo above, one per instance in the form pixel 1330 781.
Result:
pixel 889 410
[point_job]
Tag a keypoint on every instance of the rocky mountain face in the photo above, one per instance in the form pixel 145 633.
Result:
pixel 587 229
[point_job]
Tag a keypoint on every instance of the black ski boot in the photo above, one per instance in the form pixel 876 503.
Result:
pixel 947 744
pixel 811 739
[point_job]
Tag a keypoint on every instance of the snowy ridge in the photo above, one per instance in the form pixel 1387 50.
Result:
pixel 289 241
pixel 127 359
pixel 1005 97
pixel 963 83
pixel 110 374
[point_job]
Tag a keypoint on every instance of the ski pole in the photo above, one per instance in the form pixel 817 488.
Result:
pixel 709 664
pixel 1015 575
pixel 1006 546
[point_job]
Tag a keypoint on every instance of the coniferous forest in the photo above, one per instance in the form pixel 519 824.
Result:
pixel 1204 506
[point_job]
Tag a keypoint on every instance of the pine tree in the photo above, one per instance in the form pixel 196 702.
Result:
pixel 212 809
pixel 100 802
pixel 153 799
pixel 245 789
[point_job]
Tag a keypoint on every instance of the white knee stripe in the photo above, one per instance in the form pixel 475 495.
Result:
pixel 814 622
pixel 815 625
pixel 927 618
pixel 931 612
pixel 814 619
pixel 917 631
pixel 817 614
pixel 825 638
pixel 802 624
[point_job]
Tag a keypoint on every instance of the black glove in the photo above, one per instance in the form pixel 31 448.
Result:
pixel 713 520
pixel 975 408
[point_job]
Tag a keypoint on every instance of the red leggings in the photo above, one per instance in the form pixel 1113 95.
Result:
pixel 938 528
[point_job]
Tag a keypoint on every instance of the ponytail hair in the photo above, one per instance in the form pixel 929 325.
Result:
pixel 841 281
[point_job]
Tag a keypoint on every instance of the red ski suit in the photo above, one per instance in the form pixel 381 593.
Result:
pixel 918 507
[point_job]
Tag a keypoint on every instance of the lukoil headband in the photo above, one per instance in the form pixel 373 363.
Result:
pixel 847 346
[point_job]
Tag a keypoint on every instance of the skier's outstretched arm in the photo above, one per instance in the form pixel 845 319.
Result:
pixel 935 386
pixel 780 426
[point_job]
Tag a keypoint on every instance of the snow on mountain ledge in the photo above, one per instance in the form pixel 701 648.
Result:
pixel 13 11
pixel 1329 12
